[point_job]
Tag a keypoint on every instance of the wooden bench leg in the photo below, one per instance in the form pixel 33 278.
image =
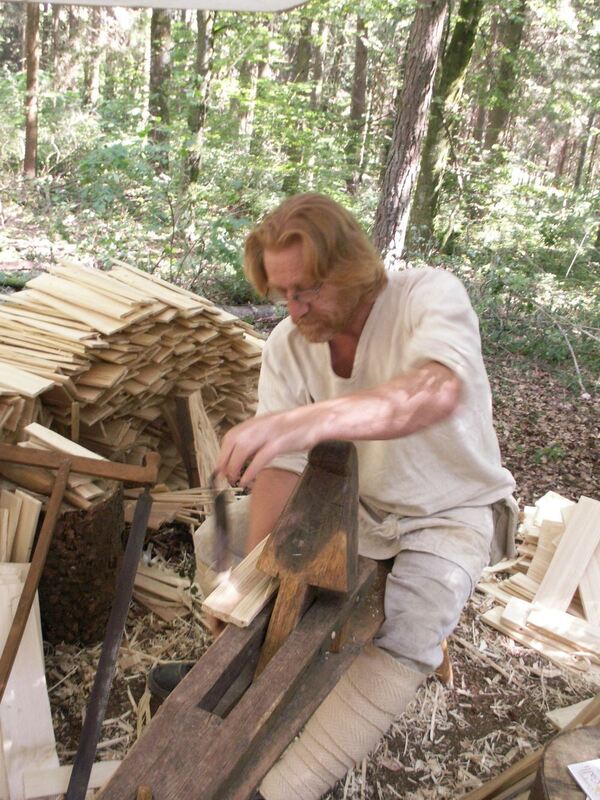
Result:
pixel 444 671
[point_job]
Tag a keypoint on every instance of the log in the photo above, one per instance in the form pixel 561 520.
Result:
pixel 553 780
pixel 77 588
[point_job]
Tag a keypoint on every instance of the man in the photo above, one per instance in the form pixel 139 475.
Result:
pixel 393 363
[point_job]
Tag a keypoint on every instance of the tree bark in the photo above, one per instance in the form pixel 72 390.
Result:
pixel 32 36
pixel 591 163
pixel 444 107
pixel 561 161
pixel 201 87
pixel 319 50
pixel 160 72
pixel 510 36
pixel 358 107
pixel 299 73
pixel 410 126
pixel 95 54
pixel 587 138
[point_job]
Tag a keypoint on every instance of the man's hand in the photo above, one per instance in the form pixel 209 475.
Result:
pixel 404 405
pixel 260 439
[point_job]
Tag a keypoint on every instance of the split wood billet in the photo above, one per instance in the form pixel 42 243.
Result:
pixel 147 474
pixel 193 753
pixel 34 575
pixel 186 441
pixel 573 554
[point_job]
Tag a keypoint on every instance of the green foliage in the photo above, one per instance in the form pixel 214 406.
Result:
pixel 520 237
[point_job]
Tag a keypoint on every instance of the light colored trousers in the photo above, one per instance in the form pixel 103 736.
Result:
pixel 437 562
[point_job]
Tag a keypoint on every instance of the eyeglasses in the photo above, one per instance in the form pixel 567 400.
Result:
pixel 279 298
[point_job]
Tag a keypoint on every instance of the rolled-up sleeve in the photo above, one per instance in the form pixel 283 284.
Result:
pixel 281 387
pixel 444 325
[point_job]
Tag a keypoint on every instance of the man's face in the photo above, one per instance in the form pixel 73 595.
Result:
pixel 326 313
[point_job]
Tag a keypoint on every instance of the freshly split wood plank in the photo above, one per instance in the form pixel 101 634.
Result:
pixel 78 294
pixel 25 718
pixel 160 589
pixel 575 632
pixel 573 554
pixel 103 375
pixel 26 527
pixel 44 782
pixel 549 509
pixel 547 648
pixel 23 382
pixel 158 288
pixel 57 442
pixel 11 502
pixel 4 551
pixel 561 717
pixel 241 598
pixel 96 320
pixel 42 323
pixel 589 589
pixel 101 282
pixel 26 303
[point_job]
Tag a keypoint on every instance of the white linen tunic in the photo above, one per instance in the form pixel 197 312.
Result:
pixel 421 315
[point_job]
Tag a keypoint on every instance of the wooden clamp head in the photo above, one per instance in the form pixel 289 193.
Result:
pixel 316 538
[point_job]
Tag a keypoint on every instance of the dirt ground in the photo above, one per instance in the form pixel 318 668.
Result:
pixel 451 739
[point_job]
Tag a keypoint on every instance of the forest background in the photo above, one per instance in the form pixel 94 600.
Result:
pixel 161 137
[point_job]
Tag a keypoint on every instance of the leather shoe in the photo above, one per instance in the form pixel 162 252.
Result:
pixel 163 678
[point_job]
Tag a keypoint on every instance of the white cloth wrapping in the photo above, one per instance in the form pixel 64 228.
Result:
pixel 345 728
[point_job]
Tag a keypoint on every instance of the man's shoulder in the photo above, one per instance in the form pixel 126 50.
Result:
pixel 421 277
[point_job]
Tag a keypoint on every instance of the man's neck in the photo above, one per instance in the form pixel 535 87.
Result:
pixel 342 347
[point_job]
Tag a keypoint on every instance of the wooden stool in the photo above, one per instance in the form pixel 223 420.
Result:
pixel 553 780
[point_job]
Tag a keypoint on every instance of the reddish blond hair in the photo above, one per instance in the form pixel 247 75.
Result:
pixel 334 245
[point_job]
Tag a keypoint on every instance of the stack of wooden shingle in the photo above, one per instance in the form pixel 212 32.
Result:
pixel 554 606
pixel 106 353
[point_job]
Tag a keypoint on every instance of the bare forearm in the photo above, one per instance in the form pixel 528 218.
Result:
pixel 399 407
pixel 270 492
pixel 402 406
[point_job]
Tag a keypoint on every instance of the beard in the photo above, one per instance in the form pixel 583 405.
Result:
pixel 321 326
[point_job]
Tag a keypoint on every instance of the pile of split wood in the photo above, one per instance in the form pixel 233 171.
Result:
pixel 102 357
pixel 552 601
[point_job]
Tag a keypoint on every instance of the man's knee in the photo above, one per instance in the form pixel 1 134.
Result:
pixel 424 597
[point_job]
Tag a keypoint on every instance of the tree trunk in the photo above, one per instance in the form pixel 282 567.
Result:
pixel 510 36
pixel 201 86
pixel 32 36
pixel 563 157
pixel 486 68
pixel 410 126
pixel 55 56
pixel 444 108
pixel 160 73
pixel 319 50
pixel 587 138
pixel 95 54
pixel 358 107
pixel 591 163
pixel 332 76
pixel 263 73
pixel 299 73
